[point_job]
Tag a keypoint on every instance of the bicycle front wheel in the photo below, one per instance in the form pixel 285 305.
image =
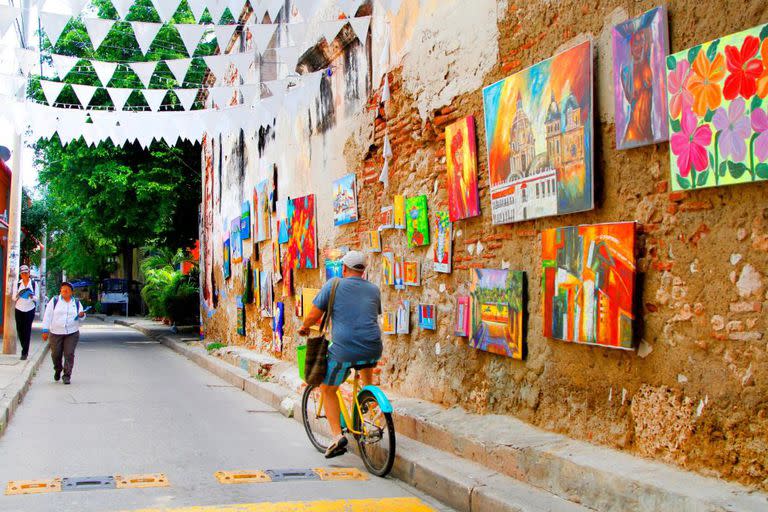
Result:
pixel 313 418
pixel 377 442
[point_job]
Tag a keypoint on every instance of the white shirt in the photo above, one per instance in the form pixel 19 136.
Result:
pixel 23 304
pixel 62 319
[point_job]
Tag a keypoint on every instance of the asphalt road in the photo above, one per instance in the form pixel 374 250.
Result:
pixel 136 407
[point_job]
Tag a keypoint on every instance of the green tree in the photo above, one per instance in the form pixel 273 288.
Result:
pixel 34 216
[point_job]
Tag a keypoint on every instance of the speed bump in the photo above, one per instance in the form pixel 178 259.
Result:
pixel 242 477
pixel 33 486
pixel 141 481
pixel 340 474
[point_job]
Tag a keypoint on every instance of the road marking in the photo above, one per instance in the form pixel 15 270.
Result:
pixel 341 474
pixel 142 481
pixel 242 477
pixel 33 486
pixel 283 475
pixel 91 483
pixel 366 505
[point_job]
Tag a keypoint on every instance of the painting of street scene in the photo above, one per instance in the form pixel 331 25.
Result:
pixel 497 303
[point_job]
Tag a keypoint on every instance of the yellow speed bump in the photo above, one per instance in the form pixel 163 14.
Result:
pixel 340 474
pixel 33 486
pixel 364 505
pixel 141 481
pixel 242 477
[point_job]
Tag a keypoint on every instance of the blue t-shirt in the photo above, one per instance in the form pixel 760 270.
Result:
pixel 355 328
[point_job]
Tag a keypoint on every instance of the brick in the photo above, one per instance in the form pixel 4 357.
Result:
pixel 696 206
pixel 735 326
pixel 662 266
pixel 672 208
pixel 442 120
pixel 449 109
pixel 526 232
pixel 746 336
pixel 661 187
pixel 652 308
pixel 677 196
pixel 746 307
pixel 511 65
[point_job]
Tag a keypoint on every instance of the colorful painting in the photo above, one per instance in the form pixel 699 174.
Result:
pixel 718 113
pixel 399 212
pixel 461 328
pixel 461 160
pixel 411 273
pixel 497 310
pixel 307 296
pixel 444 246
pixel 538 125
pixel 399 273
pixel 373 241
pixel 227 260
pixel 262 229
pixel 589 278
pixel 236 243
pixel 298 302
pixel 404 317
pixel 240 317
pixel 640 46
pixel 266 294
pixel 257 288
pixel 283 237
pixel 427 317
pixel 276 260
pixel 247 283
pixel 302 246
pixel 389 323
pixel 388 268
pixel 344 200
pixel 386 218
pixel 333 268
pixel 245 221
pixel 278 326
pixel 417 221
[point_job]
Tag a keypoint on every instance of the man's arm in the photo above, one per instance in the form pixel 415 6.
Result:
pixel 312 318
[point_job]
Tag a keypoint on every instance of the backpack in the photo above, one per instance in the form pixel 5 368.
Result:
pixel 78 306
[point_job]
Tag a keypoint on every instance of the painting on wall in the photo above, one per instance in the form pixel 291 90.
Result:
pixel 240 317
pixel 389 323
pixel 462 316
pixel 411 273
pixel 276 260
pixel 298 305
pixel 444 245
pixel 388 268
pixel 588 280
pixel 497 310
pixel 227 260
pixel 386 218
pixel 403 322
pixel 640 46
pixel 262 229
pixel 399 212
pixel 307 296
pixel 718 113
pixel 247 283
pixel 417 221
pixel 538 125
pixel 461 161
pixel 236 243
pixel 266 294
pixel 372 241
pixel 245 221
pixel 344 200
pixel 427 317
pixel 333 268
pixel 302 246
pixel 278 326
pixel 399 273
pixel 257 288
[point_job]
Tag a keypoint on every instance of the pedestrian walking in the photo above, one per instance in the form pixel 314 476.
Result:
pixel 25 296
pixel 61 328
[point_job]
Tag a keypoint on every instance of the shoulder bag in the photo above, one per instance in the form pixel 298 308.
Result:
pixel 316 363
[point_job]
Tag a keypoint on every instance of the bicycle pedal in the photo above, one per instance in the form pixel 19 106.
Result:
pixel 336 453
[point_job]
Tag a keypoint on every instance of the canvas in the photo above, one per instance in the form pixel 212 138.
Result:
pixel 444 246
pixel 247 283
pixel 257 288
pixel 283 237
pixel 262 229
pixel 461 161
pixel 399 273
pixel 411 273
pixel 538 125
pixel 245 221
pixel 417 221
pixel 399 212
pixel 427 317
pixel 386 218
pixel 278 326
pixel 373 241
pixel 344 200
pixel 299 305
pixel 236 243
pixel 588 279
pixel 276 260
pixel 226 266
pixel 718 113
pixel 307 296
pixel 497 307
pixel 302 246
pixel 266 292
pixel 240 317
pixel 388 268
pixel 403 317
pixel 333 268
pixel 389 323
pixel 461 327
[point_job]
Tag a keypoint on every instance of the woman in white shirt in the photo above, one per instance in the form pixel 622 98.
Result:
pixel 25 295
pixel 61 328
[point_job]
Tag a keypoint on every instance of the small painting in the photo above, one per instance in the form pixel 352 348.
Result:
pixel 498 312
pixel 427 317
pixel 266 294
pixel 282 231
pixel 373 241
pixel 298 305
pixel 399 212
pixel 262 229
pixel 388 268
pixel 307 296
pixel 235 241
pixel 276 260
pixel 399 277
pixel 227 261
pixel 245 221
pixel 462 316
pixel 247 283
pixel 333 268
pixel 389 323
pixel 302 246
pixel 344 200
pixel 411 273
pixel 240 317
pixel 386 218
pixel 278 327
pixel 257 288
pixel 404 317
pixel 417 221
pixel 444 245
pixel 461 160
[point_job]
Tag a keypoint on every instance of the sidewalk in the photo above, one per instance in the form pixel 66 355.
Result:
pixel 488 463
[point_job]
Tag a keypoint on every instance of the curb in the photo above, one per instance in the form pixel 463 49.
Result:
pixel 19 387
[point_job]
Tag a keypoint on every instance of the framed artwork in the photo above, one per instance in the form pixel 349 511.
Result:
pixel 640 47
pixel 538 125
pixel 417 221
pixel 497 309
pixel 444 246
pixel 388 268
pixel 262 229
pixel 240 317
pixel 344 200
pixel 278 326
pixel 307 296
pixel 302 246
pixel 399 271
pixel 389 323
pixel 298 302
pixel 227 260
pixel 403 322
pixel 461 161
pixel 257 288
pixel 589 283
pixel 399 212
pixel 427 317
pixel 245 221
pixel 718 113
pixel 411 273
pixel 276 259
pixel 235 241
pixel 282 231
pixel 247 283
pixel 266 294
pixel 373 241
pixel 462 316
pixel 333 268
pixel 386 218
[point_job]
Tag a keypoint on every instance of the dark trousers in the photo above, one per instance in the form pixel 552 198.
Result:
pixel 63 346
pixel 24 321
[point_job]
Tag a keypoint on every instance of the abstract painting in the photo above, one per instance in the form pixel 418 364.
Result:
pixel 443 246
pixel 333 268
pixel 461 160
pixel 404 317
pixel 399 212
pixel 417 221
pixel 462 316
pixel 302 246
pixel 278 326
pixel 240 317
pixel 411 273
pixel 344 200
pixel 262 229
pixel 640 46
pixel 427 317
pixel 389 323
pixel 266 294
pixel 388 268
pixel 307 296
pixel 497 310
pixel 245 221
pixel 588 280
pixel 373 241
pixel 538 125
pixel 282 231
pixel 235 241
pixel 227 260
pixel 718 115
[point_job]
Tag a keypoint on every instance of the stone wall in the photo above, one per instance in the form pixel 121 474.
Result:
pixel 694 393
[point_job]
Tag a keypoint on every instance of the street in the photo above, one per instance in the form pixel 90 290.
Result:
pixel 135 407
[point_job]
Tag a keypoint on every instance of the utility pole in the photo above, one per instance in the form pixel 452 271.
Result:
pixel 44 273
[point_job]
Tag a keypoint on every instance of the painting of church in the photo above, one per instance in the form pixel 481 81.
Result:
pixel 539 138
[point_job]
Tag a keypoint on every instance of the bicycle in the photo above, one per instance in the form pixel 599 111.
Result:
pixel 371 425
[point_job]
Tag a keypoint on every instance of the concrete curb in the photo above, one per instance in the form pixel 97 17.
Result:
pixel 19 387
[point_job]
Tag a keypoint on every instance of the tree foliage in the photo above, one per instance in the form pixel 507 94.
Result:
pixel 34 217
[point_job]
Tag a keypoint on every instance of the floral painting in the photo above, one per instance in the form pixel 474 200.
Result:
pixel 461 161
pixel 263 211
pixel 344 200
pixel 443 246
pixel 497 309
pixel 417 221
pixel 718 119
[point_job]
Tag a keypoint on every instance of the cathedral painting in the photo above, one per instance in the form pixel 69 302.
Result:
pixel 538 125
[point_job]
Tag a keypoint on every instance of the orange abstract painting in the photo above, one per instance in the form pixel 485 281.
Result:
pixel 461 153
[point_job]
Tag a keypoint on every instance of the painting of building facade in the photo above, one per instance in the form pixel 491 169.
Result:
pixel 718 120
pixel 588 284
pixel 640 47
pixel 539 136
pixel 344 200
pixel 497 312
pixel 261 228
pixel 461 161
pixel 417 221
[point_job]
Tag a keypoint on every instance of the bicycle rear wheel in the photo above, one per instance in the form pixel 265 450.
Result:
pixel 377 444
pixel 313 418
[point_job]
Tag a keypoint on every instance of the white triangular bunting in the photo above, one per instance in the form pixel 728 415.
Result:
pixel 197 7
pixel 26 60
pixel 84 93
pixel 122 7
pixel 216 8
pixel 259 10
pixel 97 30
pixel 75 6
pixel 154 97
pixel 277 87
pixel 243 62
pixel 308 8
pixel 384 176
pixel 251 94
pixel 262 35
pixel 224 35
pixel 144 70
pixel 387 152
pixel 312 81
pixel 187 97
pixel 289 56
pixel 179 68
pixel 51 90
pixel 385 92
pixel 53 25
pixel 394 5
pixel 8 15
pixel 297 33
pixel 350 7
pixel 104 70
pixel 360 26
pixel 145 33
pixel 191 35
pixel 166 8
pixel 221 96
pixel 236 7
pixel 273 8
pixel 119 97
pixel 63 64
pixel 218 64
pixel 332 28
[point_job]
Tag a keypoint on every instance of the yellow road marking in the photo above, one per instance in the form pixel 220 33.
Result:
pixel 340 474
pixel 33 486
pixel 367 505
pixel 242 477
pixel 141 481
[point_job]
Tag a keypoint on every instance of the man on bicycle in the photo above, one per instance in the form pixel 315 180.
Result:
pixel 355 333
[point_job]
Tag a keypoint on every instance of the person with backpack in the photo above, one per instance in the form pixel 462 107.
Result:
pixel 25 296
pixel 61 329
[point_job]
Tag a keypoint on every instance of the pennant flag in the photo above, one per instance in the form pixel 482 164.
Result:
pixel 53 25
pixel 216 8
pixel 63 64
pixel 308 8
pixel 394 5
pixel 179 68
pixel 166 8
pixel 104 70
pixel 8 15
pixel 288 56
pixel 187 97
pixel 387 152
pixel 236 7
pixel 384 176
pixel 224 35
pixel 277 87
pixel 26 60
pixel 197 7
pixel 119 97
pixel 262 35
pixel 273 8
pixel 122 7
pixel 259 10
pixel 144 70
pixel 154 97
pixel 84 93
pixel 360 26
pixel 350 7
pixel 251 94
pixel 145 33
pixel 332 28
pixel 191 35
pixel 385 93
pixel 297 33
pixel 218 64
pixel 312 81
pixel 221 96
pixel 97 30
pixel 75 6
pixel 242 62
pixel 51 90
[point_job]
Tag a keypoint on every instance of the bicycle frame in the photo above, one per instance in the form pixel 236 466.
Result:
pixel 346 420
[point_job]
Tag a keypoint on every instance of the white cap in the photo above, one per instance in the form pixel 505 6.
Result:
pixel 23 269
pixel 354 260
